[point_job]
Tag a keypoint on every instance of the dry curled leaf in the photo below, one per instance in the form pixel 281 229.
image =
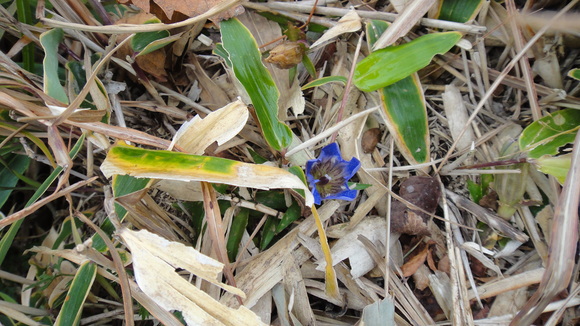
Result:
pixel 286 55
pixel 370 139
pixel 189 8
pixel 413 264
pixel 422 192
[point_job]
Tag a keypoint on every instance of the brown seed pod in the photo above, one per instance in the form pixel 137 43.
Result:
pixel 286 55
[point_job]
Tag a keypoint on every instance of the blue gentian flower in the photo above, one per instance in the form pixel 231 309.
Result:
pixel 328 175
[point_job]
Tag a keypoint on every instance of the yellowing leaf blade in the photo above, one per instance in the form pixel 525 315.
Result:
pixel 156 164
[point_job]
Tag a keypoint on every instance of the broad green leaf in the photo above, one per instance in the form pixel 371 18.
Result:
pixel 574 73
pixel 247 65
pixel 50 41
pixel 460 11
pixel 556 166
pixel 325 80
pixel 70 314
pixel 404 107
pixel 547 135
pixel 159 164
pixel 219 50
pixel 391 64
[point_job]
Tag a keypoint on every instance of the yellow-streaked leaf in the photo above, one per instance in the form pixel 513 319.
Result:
pixel 157 164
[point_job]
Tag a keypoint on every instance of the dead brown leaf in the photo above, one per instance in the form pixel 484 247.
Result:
pixel 370 139
pixel 413 264
pixel 189 8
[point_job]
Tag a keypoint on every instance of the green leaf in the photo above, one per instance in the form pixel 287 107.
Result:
pixel 460 11
pixel 122 185
pixel 359 186
pixel 268 232
pixel 247 64
pixel 404 106
pixel 237 232
pixel 292 214
pixel 8 237
pixel 391 64
pixel 24 12
pixel 50 41
pixel 556 166
pixel 405 111
pixel 574 73
pixel 475 191
pixel 70 314
pixel 547 135
pixel 325 80
pixel 308 65
pixel 16 165
pixel 219 50
pixel 151 43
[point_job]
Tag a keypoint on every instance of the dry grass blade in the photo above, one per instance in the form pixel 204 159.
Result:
pixel 412 13
pixel 39 204
pixel 563 246
pixel 216 229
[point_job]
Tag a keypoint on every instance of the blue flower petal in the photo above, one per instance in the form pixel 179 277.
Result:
pixel 328 175
pixel 330 150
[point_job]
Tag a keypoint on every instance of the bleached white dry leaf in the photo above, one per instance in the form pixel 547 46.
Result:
pixel 219 126
pixel 411 14
pixel 155 260
pixel 457 117
pixel 347 24
pixel 182 190
pixel 478 252
pixel 374 229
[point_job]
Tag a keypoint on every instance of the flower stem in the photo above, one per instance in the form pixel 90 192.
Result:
pixel 329 275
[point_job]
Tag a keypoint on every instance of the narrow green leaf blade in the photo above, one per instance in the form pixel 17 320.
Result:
pixel 460 11
pixel 237 232
pixel 49 41
pixel 325 80
pixel 391 64
pixel 8 179
pixel 70 314
pixel 547 135
pixel 8 237
pixel 247 64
